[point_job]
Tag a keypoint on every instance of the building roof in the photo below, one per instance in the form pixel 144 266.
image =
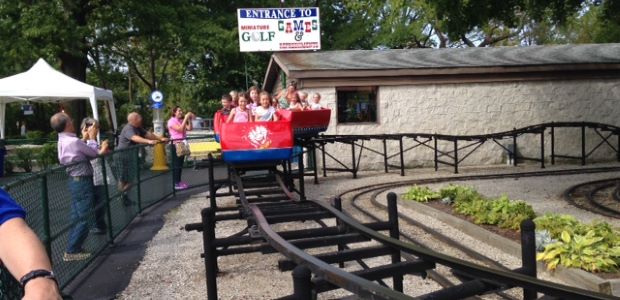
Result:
pixel 363 63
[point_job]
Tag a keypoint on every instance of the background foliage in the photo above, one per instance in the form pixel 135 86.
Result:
pixel 189 49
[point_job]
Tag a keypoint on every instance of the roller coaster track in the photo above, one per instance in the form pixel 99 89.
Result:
pixel 601 196
pixel 452 150
pixel 498 135
pixel 265 201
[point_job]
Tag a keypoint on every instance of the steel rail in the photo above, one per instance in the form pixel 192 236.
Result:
pixel 592 194
pixel 483 272
pixel 434 275
pixel 365 288
pixel 436 235
pixel 260 214
pixel 538 128
pixel 603 131
pixel 355 284
pixel 588 189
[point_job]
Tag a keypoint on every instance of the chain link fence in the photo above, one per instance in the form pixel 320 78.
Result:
pixel 48 201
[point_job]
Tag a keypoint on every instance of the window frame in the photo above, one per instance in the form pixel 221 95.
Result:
pixel 370 89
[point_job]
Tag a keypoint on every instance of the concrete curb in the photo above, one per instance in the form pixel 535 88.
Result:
pixel 574 277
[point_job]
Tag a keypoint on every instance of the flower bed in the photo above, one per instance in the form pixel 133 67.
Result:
pixel 561 239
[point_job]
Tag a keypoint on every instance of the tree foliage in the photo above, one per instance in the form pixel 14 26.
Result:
pixel 190 50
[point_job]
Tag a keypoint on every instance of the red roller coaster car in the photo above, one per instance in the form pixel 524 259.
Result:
pixel 254 142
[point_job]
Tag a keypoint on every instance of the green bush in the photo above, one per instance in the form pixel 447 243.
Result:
pixel 47 155
pixel 24 158
pixel 594 247
pixel 421 194
pixel 52 136
pixel 502 211
pixel 555 224
pixel 589 251
pixel 208 108
pixel 8 165
pixel 459 193
pixel 36 136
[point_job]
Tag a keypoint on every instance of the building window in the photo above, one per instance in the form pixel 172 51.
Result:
pixel 357 104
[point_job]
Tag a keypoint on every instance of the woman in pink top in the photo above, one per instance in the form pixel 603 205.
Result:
pixel 178 126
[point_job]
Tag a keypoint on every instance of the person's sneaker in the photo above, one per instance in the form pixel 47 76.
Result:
pixel 179 186
pixel 76 256
pixel 98 231
pixel 184 185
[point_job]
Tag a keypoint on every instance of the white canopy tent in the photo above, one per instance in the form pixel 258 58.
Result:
pixel 42 83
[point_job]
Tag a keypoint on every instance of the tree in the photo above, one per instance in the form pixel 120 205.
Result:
pixel 595 22
pixel 527 22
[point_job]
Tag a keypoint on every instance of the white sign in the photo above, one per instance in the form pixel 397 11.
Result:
pixel 157 96
pixel 279 29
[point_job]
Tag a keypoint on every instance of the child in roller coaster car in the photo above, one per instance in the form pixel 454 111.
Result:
pixel 253 100
pixel 303 99
pixel 241 113
pixel 295 104
pixel 265 112
pixel 234 96
pixel 226 105
pixel 316 98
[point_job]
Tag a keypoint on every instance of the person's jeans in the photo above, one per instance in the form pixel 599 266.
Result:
pixel 82 198
pixel 99 203
pixel 177 166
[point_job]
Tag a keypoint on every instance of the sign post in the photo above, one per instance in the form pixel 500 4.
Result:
pixel 159 150
pixel 158 102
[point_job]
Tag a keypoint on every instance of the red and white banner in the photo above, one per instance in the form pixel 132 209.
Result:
pixel 256 135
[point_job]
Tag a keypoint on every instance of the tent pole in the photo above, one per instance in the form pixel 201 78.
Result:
pixel 2 119
pixel 112 111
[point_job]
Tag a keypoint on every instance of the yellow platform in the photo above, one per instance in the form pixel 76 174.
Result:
pixel 200 150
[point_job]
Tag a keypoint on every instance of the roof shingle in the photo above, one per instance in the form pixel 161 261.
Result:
pixel 450 57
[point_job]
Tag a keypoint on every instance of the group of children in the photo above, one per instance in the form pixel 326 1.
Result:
pixel 259 106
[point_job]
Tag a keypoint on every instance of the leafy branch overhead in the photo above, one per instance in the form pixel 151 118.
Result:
pixel 189 49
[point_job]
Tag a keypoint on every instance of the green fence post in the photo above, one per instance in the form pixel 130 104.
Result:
pixel 108 210
pixel 138 180
pixel 45 210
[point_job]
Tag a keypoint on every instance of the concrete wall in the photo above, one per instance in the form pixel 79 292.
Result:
pixel 480 108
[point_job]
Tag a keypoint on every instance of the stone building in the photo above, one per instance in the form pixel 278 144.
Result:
pixel 461 91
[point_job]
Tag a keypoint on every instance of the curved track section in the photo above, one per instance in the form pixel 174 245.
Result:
pixel 441 279
pixel 356 241
pixel 601 196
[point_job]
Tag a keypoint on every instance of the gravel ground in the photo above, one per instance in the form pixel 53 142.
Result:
pixel 172 267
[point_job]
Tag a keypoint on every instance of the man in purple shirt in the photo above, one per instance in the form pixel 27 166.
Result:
pixel 75 154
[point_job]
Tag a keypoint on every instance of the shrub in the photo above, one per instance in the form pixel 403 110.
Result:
pixel 8 165
pixel 36 136
pixel 543 238
pixel 421 194
pixel 589 252
pixel 594 247
pixel 24 158
pixel 53 136
pixel 511 213
pixel 502 211
pixel 459 193
pixel 47 155
pixel 555 224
